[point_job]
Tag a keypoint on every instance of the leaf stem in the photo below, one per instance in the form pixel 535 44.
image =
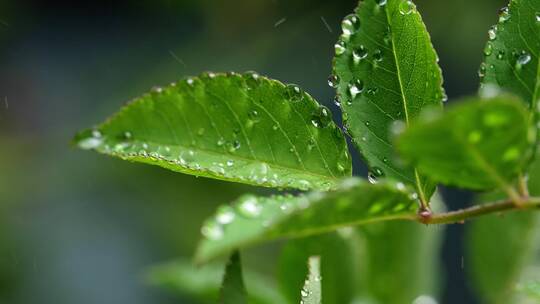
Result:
pixel 461 215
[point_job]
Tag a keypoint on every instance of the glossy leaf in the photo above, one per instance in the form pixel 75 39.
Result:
pixel 311 292
pixel 203 283
pixel 257 219
pixel 242 128
pixel 386 72
pixel 511 54
pixel 477 144
pixel 233 290
pixel 495 270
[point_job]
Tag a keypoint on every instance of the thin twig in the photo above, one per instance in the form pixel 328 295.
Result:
pixel 478 210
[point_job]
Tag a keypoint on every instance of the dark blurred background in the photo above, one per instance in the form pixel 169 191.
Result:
pixel 78 227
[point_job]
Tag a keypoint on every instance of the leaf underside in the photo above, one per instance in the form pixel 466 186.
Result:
pixel 476 144
pixel 235 127
pixel 253 220
pixel 386 72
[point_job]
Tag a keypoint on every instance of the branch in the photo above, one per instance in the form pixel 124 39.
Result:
pixel 461 215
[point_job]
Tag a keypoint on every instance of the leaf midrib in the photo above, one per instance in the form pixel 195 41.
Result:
pixel 235 156
pixel 419 186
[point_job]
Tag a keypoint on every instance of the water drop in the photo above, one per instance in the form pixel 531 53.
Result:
pixel 349 26
pixel 337 102
pixel 190 81
pixel 482 70
pixel 294 93
pixel 381 2
pixel 522 60
pixel 230 163
pixel 225 215
pixel 339 48
pixel 504 15
pixel 488 49
pixel 91 142
pixel 537 17
pixel 333 81
pixel 378 55
pixel 406 7
pixel 359 54
pixel 322 118
pixel 275 127
pixel 355 88
pixel 157 90
pixel 212 230
pixel 372 178
pixel 500 55
pixel 492 33
pixel 249 207
pixel 254 116
pixel 220 142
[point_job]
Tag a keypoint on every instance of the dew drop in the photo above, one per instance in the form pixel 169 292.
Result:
pixel 492 33
pixel 91 142
pixel 537 17
pixel 500 55
pixel 504 15
pixel 406 7
pixel 381 2
pixel 254 116
pixel 359 54
pixel 522 60
pixel 220 142
pixel 339 48
pixel 488 49
pixel 190 81
pixel 230 163
pixel 349 26
pixel 355 88
pixel 322 118
pixel 333 81
pixel 225 215
pixel 212 231
pixel 337 102
pixel 378 55
pixel 249 207
pixel 482 70
pixel 294 93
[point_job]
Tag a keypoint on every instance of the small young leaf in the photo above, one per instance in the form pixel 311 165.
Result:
pixel 254 220
pixel 311 292
pixel 242 128
pixel 203 283
pixel 477 144
pixel 386 72
pixel 511 55
pixel 233 290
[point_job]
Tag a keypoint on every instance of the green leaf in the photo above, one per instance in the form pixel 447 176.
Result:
pixel 233 290
pixel 339 254
pixel 241 128
pixel 203 283
pixel 398 252
pixel 253 220
pixel 511 54
pixel 495 270
pixel 477 144
pixel 386 72
pixel 311 292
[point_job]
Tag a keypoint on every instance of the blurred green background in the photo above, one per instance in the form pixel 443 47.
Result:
pixel 78 227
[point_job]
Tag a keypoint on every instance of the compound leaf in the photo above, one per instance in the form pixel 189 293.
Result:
pixel 386 72
pixel 242 128
pixel 253 220
pixel 477 144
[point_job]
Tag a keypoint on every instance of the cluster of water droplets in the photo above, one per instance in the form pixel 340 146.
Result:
pixel 314 279
pixel 519 58
pixel 263 211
